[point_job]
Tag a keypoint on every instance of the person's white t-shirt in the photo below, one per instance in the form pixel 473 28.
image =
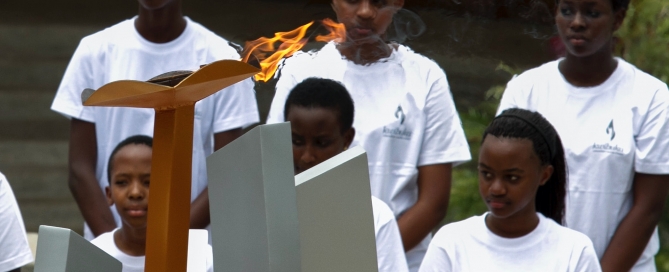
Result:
pixel 404 118
pixel 609 132
pixel 389 249
pixel 469 245
pixel 14 249
pixel 136 263
pixel 120 53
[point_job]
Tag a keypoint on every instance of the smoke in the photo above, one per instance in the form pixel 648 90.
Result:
pixel 405 25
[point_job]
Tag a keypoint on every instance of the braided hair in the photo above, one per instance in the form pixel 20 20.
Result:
pixel 524 124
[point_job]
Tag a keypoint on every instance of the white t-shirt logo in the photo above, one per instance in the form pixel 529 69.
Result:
pixel 610 130
pixel 399 114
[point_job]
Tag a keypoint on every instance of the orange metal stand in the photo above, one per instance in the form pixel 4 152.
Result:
pixel 169 204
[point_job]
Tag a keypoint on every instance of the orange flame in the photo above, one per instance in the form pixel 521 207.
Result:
pixel 337 32
pixel 269 56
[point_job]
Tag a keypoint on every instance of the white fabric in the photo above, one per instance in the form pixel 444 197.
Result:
pixel 389 249
pixel 14 249
pixel 136 263
pixel 404 118
pixel 469 245
pixel 119 53
pixel 609 132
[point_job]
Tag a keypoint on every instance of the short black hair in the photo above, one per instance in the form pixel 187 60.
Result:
pixel 137 140
pixel 323 93
pixel 615 4
pixel 525 124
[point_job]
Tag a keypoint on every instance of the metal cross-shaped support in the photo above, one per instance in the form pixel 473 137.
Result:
pixel 168 221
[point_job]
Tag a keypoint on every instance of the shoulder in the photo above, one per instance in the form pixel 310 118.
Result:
pixel 219 46
pixel 110 35
pixel 382 213
pixel 428 68
pixel 642 81
pixel 105 242
pixel 535 75
pixel 571 238
pixel 453 233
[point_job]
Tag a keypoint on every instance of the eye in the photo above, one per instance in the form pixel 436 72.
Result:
pixel 593 14
pixel 485 174
pixel 566 11
pixel 297 142
pixel 121 182
pixel 513 178
pixel 379 3
pixel 323 143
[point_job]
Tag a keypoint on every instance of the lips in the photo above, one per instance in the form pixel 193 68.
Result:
pixel 497 204
pixel 136 211
pixel 361 31
pixel 576 40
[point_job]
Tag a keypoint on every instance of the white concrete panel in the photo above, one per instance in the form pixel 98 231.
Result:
pixel 335 214
pixel 252 203
pixel 63 250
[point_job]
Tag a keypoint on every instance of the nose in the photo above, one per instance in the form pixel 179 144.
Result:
pixel 308 155
pixel 497 188
pixel 136 191
pixel 366 10
pixel 578 23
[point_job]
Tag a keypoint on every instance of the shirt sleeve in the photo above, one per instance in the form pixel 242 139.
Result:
pixel 508 100
pixel 444 140
pixel 78 76
pixel 15 251
pixel 389 248
pixel 283 87
pixel 436 258
pixel 235 107
pixel 652 141
pixel 588 261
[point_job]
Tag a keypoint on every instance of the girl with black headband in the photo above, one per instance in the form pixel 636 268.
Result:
pixel 522 179
pixel 612 118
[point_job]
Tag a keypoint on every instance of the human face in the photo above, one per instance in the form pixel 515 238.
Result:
pixel 366 19
pixel 317 136
pixel 586 26
pixel 510 174
pixel 129 185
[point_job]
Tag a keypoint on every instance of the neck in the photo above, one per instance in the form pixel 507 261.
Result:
pixel 365 53
pixel 131 241
pixel 161 25
pixel 591 70
pixel 515 226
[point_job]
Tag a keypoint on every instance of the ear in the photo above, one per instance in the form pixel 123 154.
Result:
pixel 110 200
pixel 348 137
pixel 619 18
pixel 399 4
pixel 546 174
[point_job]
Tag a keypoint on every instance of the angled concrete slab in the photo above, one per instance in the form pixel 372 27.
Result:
pixel 335 214
pixel 253 204
pixel 63 250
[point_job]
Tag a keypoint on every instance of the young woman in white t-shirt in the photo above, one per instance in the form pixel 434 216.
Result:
pixel 522 179
pixel 612 118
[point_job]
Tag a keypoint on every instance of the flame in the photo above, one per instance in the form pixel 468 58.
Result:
pixel 265 50
pixel 337 32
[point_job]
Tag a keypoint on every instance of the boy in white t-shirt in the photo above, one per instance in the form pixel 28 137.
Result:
pixel 159 40
pixel 613 120
pixel 129 177
pixel 405 116
pixel 320 112
pixel 14 249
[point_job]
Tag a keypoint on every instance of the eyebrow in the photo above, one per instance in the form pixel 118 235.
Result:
pixel 505 170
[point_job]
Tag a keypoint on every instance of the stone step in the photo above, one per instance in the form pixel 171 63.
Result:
pixel 59 213
pixel 32 73
pixel 47 42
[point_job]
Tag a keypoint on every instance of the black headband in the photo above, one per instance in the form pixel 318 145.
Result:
pixel 550 144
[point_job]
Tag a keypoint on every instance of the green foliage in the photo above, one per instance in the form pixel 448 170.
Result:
pixel 644 37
